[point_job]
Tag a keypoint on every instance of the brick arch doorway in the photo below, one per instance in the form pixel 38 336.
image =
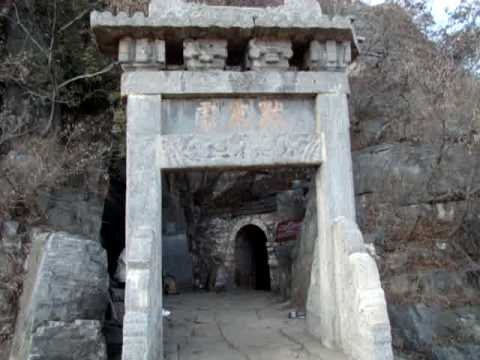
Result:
pixel 252 270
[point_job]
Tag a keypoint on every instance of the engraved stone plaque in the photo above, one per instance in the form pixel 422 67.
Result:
pixel 235 115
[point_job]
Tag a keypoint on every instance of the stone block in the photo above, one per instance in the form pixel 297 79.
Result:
pixel 139 248
pixel 67 280
pixel 141 53
pixel 205 54
pixel 137 289
pixel 72 282
pixel 135 331
pixel 82 339
pixel 269 54
pixel 329 55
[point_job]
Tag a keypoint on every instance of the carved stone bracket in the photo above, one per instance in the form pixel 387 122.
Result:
pixel 330 55
pixel 205 54
pixel 266 54
pixel 141 54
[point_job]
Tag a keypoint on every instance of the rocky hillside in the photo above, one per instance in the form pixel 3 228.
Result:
pixel 415 123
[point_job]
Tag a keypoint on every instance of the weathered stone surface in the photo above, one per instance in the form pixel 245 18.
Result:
pixel 177 260
pixel 269 54
pixel 436 332
pixel 465 352
pixel 67 280
pixel 360 298
pixel 76 211
pixel 247 3
pixel 13 248
pixel 329 55
pixel 141 54
pixel 214 246
pixel 302 17
pixel 334 191
pixel 80 340
pixel 291 204
pixel 414 324
pixel 304 253
pixel 143 305
pixel 205 54
pixel 72 281
pixel 409 175
pixel 129 6
pixel 227 115
pixel 239 150
pixel 232 82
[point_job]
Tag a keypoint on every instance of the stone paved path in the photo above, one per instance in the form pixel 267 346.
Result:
pixel 237 326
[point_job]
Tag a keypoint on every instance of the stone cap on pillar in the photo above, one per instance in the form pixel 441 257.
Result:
pixel 236 21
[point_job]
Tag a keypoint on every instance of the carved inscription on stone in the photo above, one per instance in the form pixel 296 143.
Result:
pixel 226 115
pixel 239 150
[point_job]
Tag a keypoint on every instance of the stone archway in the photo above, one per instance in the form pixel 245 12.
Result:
pixel 268 110
pixel 252 269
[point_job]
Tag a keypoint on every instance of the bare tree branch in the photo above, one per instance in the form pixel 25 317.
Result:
pixel 87 76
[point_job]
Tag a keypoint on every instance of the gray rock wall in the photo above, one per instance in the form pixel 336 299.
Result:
pixel 12 256
pixel 413 209
pixel 303 255
pixel 415 165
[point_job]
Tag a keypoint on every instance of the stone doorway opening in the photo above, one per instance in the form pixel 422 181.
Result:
pixel 252 270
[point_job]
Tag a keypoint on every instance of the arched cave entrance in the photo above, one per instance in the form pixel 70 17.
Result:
pixel 252 270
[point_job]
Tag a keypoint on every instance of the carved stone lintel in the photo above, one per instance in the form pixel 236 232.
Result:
pixel 240 150
pixel 205 54
pixel 266 54
pixel 141 54
pixel 328 55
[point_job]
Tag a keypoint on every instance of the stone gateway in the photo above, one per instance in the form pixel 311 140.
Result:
pixel 260 84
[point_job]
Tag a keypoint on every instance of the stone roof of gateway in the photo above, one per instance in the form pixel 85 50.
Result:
pixel 234 20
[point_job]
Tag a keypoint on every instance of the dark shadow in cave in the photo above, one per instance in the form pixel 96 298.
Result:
pixel 113 221
pixel 252 270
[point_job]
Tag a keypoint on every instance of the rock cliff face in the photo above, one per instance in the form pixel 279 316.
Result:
pixel 12 257
pixel 416 163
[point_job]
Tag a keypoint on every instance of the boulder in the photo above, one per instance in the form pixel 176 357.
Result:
pixel 72 282
pixel 67 280
pixel 80 340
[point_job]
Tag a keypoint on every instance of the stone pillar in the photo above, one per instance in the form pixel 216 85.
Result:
pixel 143 302
pixel 335 198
